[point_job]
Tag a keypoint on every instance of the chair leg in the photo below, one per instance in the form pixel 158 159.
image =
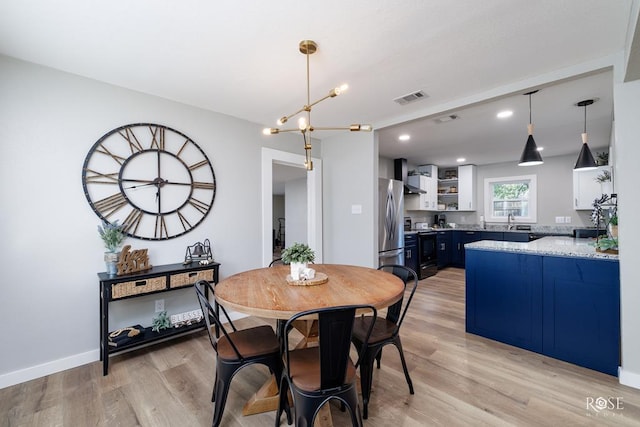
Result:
pixel 283 402
pixel 351 399
pixel 379 357
pixel 366 378
pixel 221 390
pixel 213 393
pixel 398 344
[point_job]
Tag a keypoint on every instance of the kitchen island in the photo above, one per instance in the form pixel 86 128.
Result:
pixel 556 296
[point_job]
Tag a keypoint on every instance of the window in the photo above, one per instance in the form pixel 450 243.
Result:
pixel 513 195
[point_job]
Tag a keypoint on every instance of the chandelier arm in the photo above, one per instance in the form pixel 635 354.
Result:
pixel 332 128
pixel 288 130
pixel 319 101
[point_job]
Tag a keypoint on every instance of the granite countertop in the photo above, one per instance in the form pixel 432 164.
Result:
pixel 554 246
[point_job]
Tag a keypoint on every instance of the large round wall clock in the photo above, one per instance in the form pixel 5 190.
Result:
pixel 154 180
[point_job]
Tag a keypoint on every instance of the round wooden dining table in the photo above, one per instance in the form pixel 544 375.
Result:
pixel 265 292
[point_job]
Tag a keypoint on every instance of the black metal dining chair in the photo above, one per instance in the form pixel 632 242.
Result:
pixel 316 375
pixel 385 331
pixel 235 349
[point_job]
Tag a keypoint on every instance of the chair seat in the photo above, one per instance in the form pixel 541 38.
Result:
pixel 250 343
pixel 383 329
pixel 305 369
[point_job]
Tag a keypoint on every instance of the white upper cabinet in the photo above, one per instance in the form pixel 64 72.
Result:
pixel 587 186
pixel 422 202
pixel 467 188
pixel 457 188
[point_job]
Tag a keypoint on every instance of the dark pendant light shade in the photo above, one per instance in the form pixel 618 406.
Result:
pixel 585 158
pixel 530 155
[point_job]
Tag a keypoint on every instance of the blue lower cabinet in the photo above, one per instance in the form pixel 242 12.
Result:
pixel 504 297
pixel 581 312
pixel 566 308
pixel 444 243
pixel 411 253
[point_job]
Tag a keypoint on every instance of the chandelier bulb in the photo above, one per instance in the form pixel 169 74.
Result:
pixel 282 120
pixel 302 124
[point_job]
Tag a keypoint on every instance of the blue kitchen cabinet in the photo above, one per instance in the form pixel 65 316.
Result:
pixel 567 308
pixel 411 253
pixel 581 312
pixel 444 243
pixel 504 297
pixel 460 238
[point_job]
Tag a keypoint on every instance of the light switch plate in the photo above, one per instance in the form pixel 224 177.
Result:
pixel 559 220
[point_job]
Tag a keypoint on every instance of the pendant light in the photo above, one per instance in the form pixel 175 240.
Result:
pixel 530 154
pixel 585 158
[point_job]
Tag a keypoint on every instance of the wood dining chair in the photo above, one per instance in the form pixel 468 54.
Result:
pixel 316 375
pixel 235 349
pixel 385 331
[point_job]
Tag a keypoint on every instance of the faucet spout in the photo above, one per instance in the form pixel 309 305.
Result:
pixel 509 219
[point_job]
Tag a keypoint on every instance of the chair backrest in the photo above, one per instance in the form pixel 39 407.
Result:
pixel 211 318
pixel 335 325
pixel 277 261
pixel 398 310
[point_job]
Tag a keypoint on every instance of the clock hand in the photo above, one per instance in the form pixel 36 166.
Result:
pixel 158 182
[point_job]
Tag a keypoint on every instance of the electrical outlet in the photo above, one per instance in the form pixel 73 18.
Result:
pixel 159 305
pixel 559 220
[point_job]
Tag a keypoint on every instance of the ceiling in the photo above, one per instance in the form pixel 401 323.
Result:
pixel 242 59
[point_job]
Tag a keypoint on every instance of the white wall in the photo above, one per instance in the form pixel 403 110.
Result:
pixel 626 152
pixel 51 251
pixel 295 195
pixel 350 171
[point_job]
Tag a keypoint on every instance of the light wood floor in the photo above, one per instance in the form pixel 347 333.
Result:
pixel 459 380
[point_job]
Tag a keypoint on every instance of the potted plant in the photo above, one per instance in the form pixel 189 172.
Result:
pixel 608 245
pixel 613 226
pixel 604 178
pixel 298 256
pixel 112 236
pixel 602 159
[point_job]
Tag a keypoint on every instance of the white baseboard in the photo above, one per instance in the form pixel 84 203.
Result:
pixel 630 379
pixel 33 372
pixel 48 368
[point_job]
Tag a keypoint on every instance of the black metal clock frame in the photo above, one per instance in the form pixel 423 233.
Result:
pixel 120 151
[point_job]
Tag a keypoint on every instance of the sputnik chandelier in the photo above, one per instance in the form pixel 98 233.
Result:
pixel 308 47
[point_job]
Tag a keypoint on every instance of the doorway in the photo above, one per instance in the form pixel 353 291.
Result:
pixel 276 165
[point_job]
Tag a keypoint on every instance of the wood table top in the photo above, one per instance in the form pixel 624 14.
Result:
pixel 265 292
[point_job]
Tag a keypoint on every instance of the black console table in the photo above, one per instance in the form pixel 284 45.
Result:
pixel 162 278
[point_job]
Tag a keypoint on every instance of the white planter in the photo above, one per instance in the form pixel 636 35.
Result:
pixel 111 262
pixel 296 268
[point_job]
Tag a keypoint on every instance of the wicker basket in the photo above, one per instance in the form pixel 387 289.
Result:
pixel 137 287
pixel 188 279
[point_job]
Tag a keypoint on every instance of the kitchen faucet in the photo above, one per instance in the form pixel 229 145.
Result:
pixel 509 219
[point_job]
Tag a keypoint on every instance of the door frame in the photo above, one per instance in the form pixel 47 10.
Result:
pixel 314 200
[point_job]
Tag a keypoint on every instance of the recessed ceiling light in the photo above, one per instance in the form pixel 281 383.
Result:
pixel 504 114
pixel 461 159
pixel 404 137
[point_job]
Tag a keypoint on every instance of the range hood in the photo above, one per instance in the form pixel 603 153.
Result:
pixel 400 173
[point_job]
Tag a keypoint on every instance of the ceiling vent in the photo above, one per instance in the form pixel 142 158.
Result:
pixel 447 118
pixel 415 96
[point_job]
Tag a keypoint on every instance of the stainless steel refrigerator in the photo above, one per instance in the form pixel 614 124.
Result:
pixel 390 222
